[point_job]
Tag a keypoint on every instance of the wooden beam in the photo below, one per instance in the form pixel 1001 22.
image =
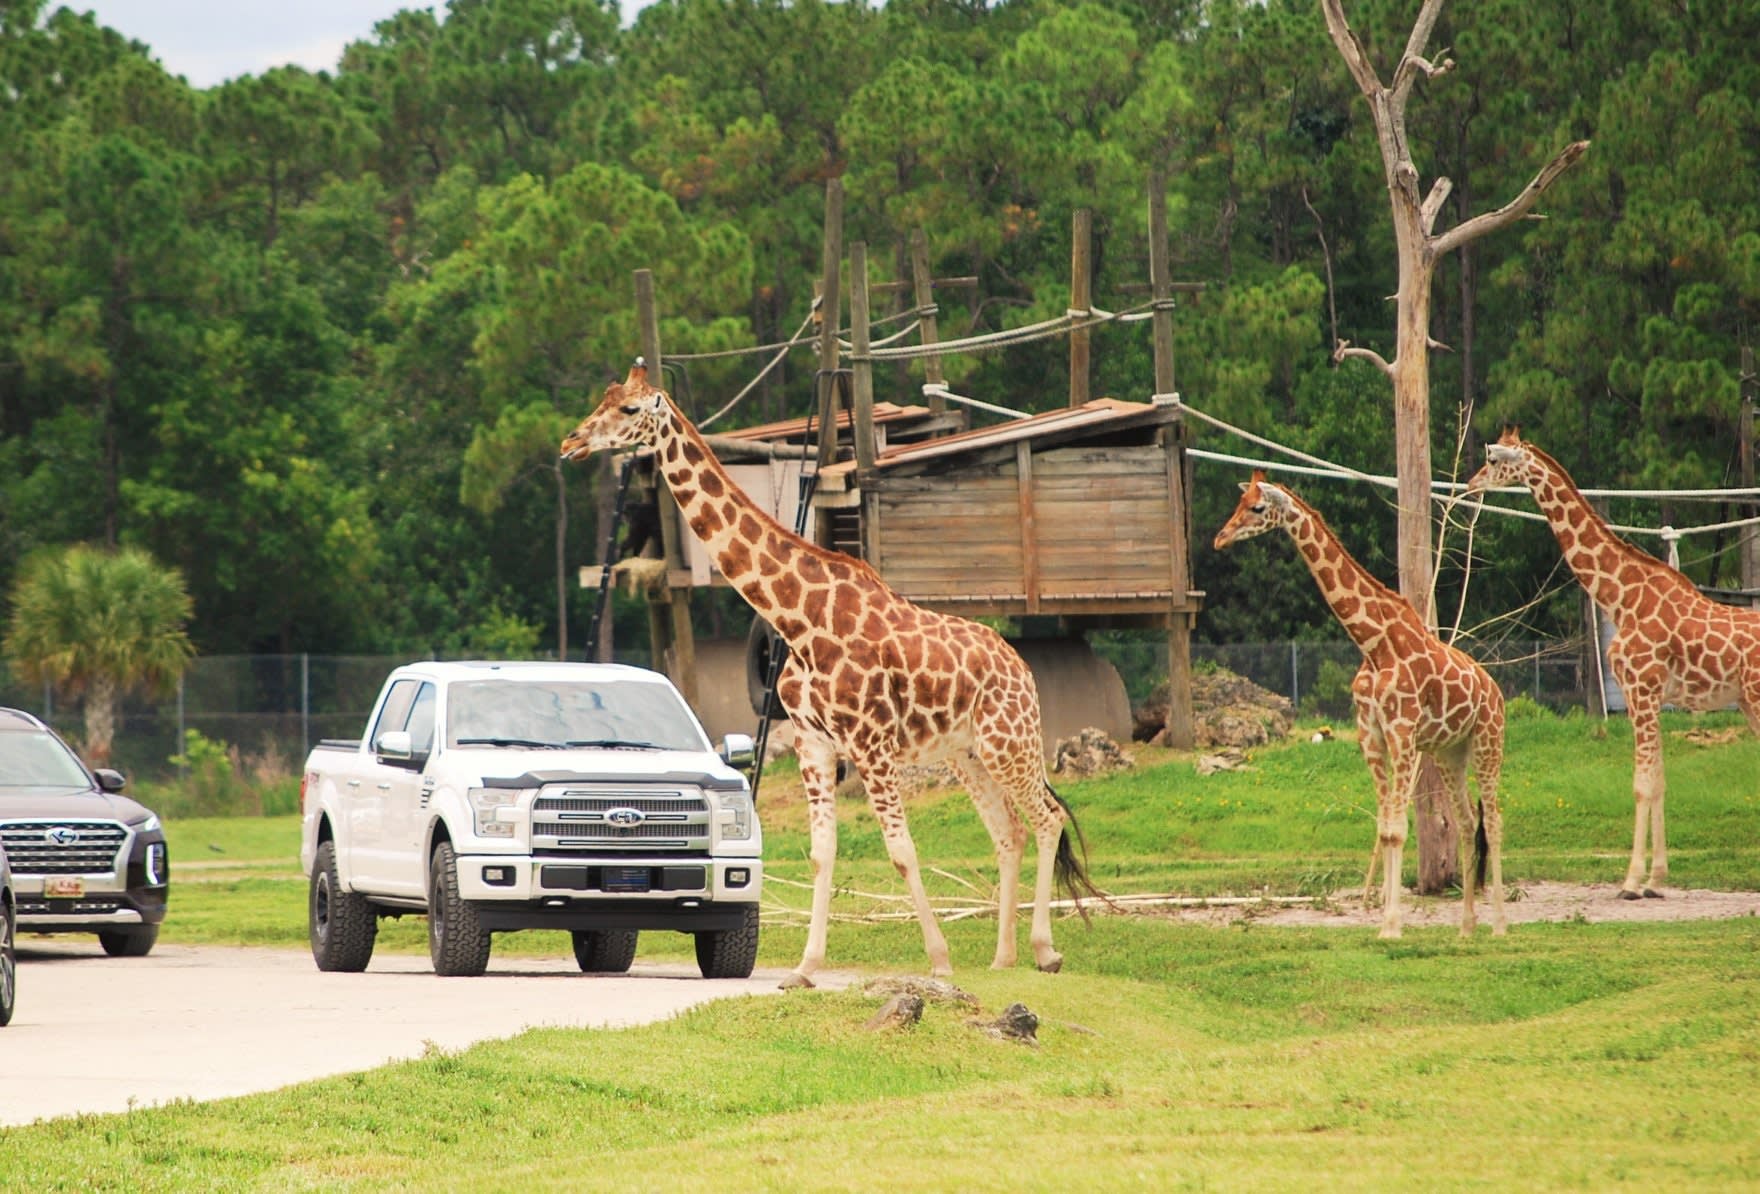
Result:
pixel 862 400
pixel 673 627
pixel 1029 517
pixel 1081 298
pixel 928 328
pixel 1750 534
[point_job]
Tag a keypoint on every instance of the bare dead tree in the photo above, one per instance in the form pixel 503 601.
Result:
pixel 1420 248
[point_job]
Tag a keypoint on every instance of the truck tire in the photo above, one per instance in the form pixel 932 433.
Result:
pixel 8 964
pixel 730 953
pixel 458 946
pixel 129 943
pixel 608 951
pixel 341 924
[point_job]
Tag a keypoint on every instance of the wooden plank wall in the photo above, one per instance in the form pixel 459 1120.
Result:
pixel 1094 521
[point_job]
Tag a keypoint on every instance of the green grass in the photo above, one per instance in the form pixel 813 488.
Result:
pixel 1171 1056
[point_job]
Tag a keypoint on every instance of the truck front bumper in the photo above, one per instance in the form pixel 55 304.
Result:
pixel 657 879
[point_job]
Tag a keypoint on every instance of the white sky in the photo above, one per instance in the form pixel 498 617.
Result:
pixel 210 41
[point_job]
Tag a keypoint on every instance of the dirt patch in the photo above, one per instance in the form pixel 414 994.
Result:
pixel 1529 903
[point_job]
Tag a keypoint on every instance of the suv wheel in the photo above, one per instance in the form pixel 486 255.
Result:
pixel 341 924
pixel 8 964
pixel 129 943
pixel 607 952
pixel 730 953
pixel 457 945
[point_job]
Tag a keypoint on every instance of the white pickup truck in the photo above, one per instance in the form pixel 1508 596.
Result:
pixel 502 796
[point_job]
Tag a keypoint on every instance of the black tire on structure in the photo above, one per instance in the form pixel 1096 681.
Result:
pixel 342 925
pixel 8 964
pixel 730 953
pixel 762 644
pixel 457 944
pixel 607 951
pixel 129 943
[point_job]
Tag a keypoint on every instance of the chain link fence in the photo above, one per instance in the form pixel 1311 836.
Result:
pixel 273 708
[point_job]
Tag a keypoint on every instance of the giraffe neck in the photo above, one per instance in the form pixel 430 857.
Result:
pixel 1363 605
pixel 1601 560
pixel 758 556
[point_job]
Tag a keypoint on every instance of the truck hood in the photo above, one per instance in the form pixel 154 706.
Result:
pixel 514 768
pixel 56 802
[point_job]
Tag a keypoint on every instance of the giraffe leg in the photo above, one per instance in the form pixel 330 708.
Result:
pixel 880 777
pixel 1009 837
pixel 1016 763
pixel 1402 779
pixel 818 760
pixel 1487 770
pixel 1374 751
pixel 1643 707
pixel 1452 765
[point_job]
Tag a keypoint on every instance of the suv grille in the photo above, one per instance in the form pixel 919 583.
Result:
pixel 33 851
pixel 577 821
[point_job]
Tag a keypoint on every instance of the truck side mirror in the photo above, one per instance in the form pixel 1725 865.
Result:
pixel 738 750
pixel 394 746
pixel 109 780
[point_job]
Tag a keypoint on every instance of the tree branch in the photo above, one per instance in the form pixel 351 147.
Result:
pixel 1410 67
pixel 1346 349
pixel 1439 191
pixel 1515 209
pixel 1355 57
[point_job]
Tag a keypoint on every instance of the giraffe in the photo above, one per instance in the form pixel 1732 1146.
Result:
pixel 1670 643
pixel 1414 695
pixel 870 678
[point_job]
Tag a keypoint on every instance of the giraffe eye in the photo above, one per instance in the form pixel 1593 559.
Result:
pixel 630 408
pixel 1259 508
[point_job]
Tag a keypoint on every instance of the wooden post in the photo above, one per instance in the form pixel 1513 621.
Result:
pixel 1750 534
pixel 830 314
pixel 1180 733
pixel 683 669
pixel 862 369
pixel 927 325
pixel 1081 298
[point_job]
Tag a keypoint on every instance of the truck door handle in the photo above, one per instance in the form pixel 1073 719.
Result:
pixel 354 783
pixel 384 787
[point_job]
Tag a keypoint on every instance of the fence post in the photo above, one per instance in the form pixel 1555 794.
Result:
pixel 1295 675
pixel 305 699
pixel 177 747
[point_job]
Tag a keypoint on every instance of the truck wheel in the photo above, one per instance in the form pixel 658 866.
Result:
pixel 129 943
pixel 8 965
pixel 730 953
pixel 458 947
pixel 341 924
pixel 607 952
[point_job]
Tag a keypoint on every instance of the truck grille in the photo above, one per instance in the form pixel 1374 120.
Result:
pixel 578 820
pixel 33 849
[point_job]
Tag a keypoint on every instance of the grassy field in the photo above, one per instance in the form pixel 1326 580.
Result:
pixel 1171 1055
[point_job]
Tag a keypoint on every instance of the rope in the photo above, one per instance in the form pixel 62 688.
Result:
pixel 751 385
pixel 935 389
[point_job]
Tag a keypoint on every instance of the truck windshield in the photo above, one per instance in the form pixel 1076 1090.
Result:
pixel 33 759
pixel 609 713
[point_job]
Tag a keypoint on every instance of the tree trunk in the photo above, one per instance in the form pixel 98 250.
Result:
pixel 100 711
pixel 561 560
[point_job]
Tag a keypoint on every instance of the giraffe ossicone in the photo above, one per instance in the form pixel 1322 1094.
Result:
pixel 1414 695
pixel 1671 644
pixel 871 678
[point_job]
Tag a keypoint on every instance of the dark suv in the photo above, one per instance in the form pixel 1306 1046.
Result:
pixel 84 858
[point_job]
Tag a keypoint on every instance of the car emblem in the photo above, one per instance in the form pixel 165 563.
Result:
pixel 626 817
pixel 62 835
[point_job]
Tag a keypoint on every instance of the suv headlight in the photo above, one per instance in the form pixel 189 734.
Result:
pixel 736 815
pixel 487 804
pixel 148 825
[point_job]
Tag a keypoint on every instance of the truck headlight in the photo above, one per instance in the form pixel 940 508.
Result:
pixel 487 804
pixel 736 815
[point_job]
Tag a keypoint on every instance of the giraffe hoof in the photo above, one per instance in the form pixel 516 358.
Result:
pixel 1052 964
pixel 795 981
pixel 1629 895
pixel 1651 893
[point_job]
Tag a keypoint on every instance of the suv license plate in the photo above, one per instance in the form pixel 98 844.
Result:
pixel 624 878
pixel 63 887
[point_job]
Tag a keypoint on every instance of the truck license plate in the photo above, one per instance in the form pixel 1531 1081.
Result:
pixel 625 878
pixel 63 887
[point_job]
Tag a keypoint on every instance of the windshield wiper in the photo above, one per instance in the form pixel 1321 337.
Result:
pixel 531 742
pixel 615 744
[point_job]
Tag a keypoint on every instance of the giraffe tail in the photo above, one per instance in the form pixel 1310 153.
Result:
pixel 1481 849
pixel 1071 868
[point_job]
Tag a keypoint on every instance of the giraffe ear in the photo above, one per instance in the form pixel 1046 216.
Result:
pixel 1274 495
pixel 1245 485
pixel 1502 453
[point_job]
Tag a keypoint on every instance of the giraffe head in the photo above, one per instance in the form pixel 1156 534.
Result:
pixel 1262 507
pixel 1506 464
pixel 630 416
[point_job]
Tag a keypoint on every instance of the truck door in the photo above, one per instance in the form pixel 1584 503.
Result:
pixel 405 794
pixel 367 789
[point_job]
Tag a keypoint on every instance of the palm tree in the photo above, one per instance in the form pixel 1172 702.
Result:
pixel 100 624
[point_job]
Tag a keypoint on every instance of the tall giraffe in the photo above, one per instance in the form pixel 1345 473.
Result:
pixel 1414 695
pixel 870 678
pixel 1671 644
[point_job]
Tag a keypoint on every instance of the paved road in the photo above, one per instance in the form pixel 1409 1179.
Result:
pixel 94 1033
